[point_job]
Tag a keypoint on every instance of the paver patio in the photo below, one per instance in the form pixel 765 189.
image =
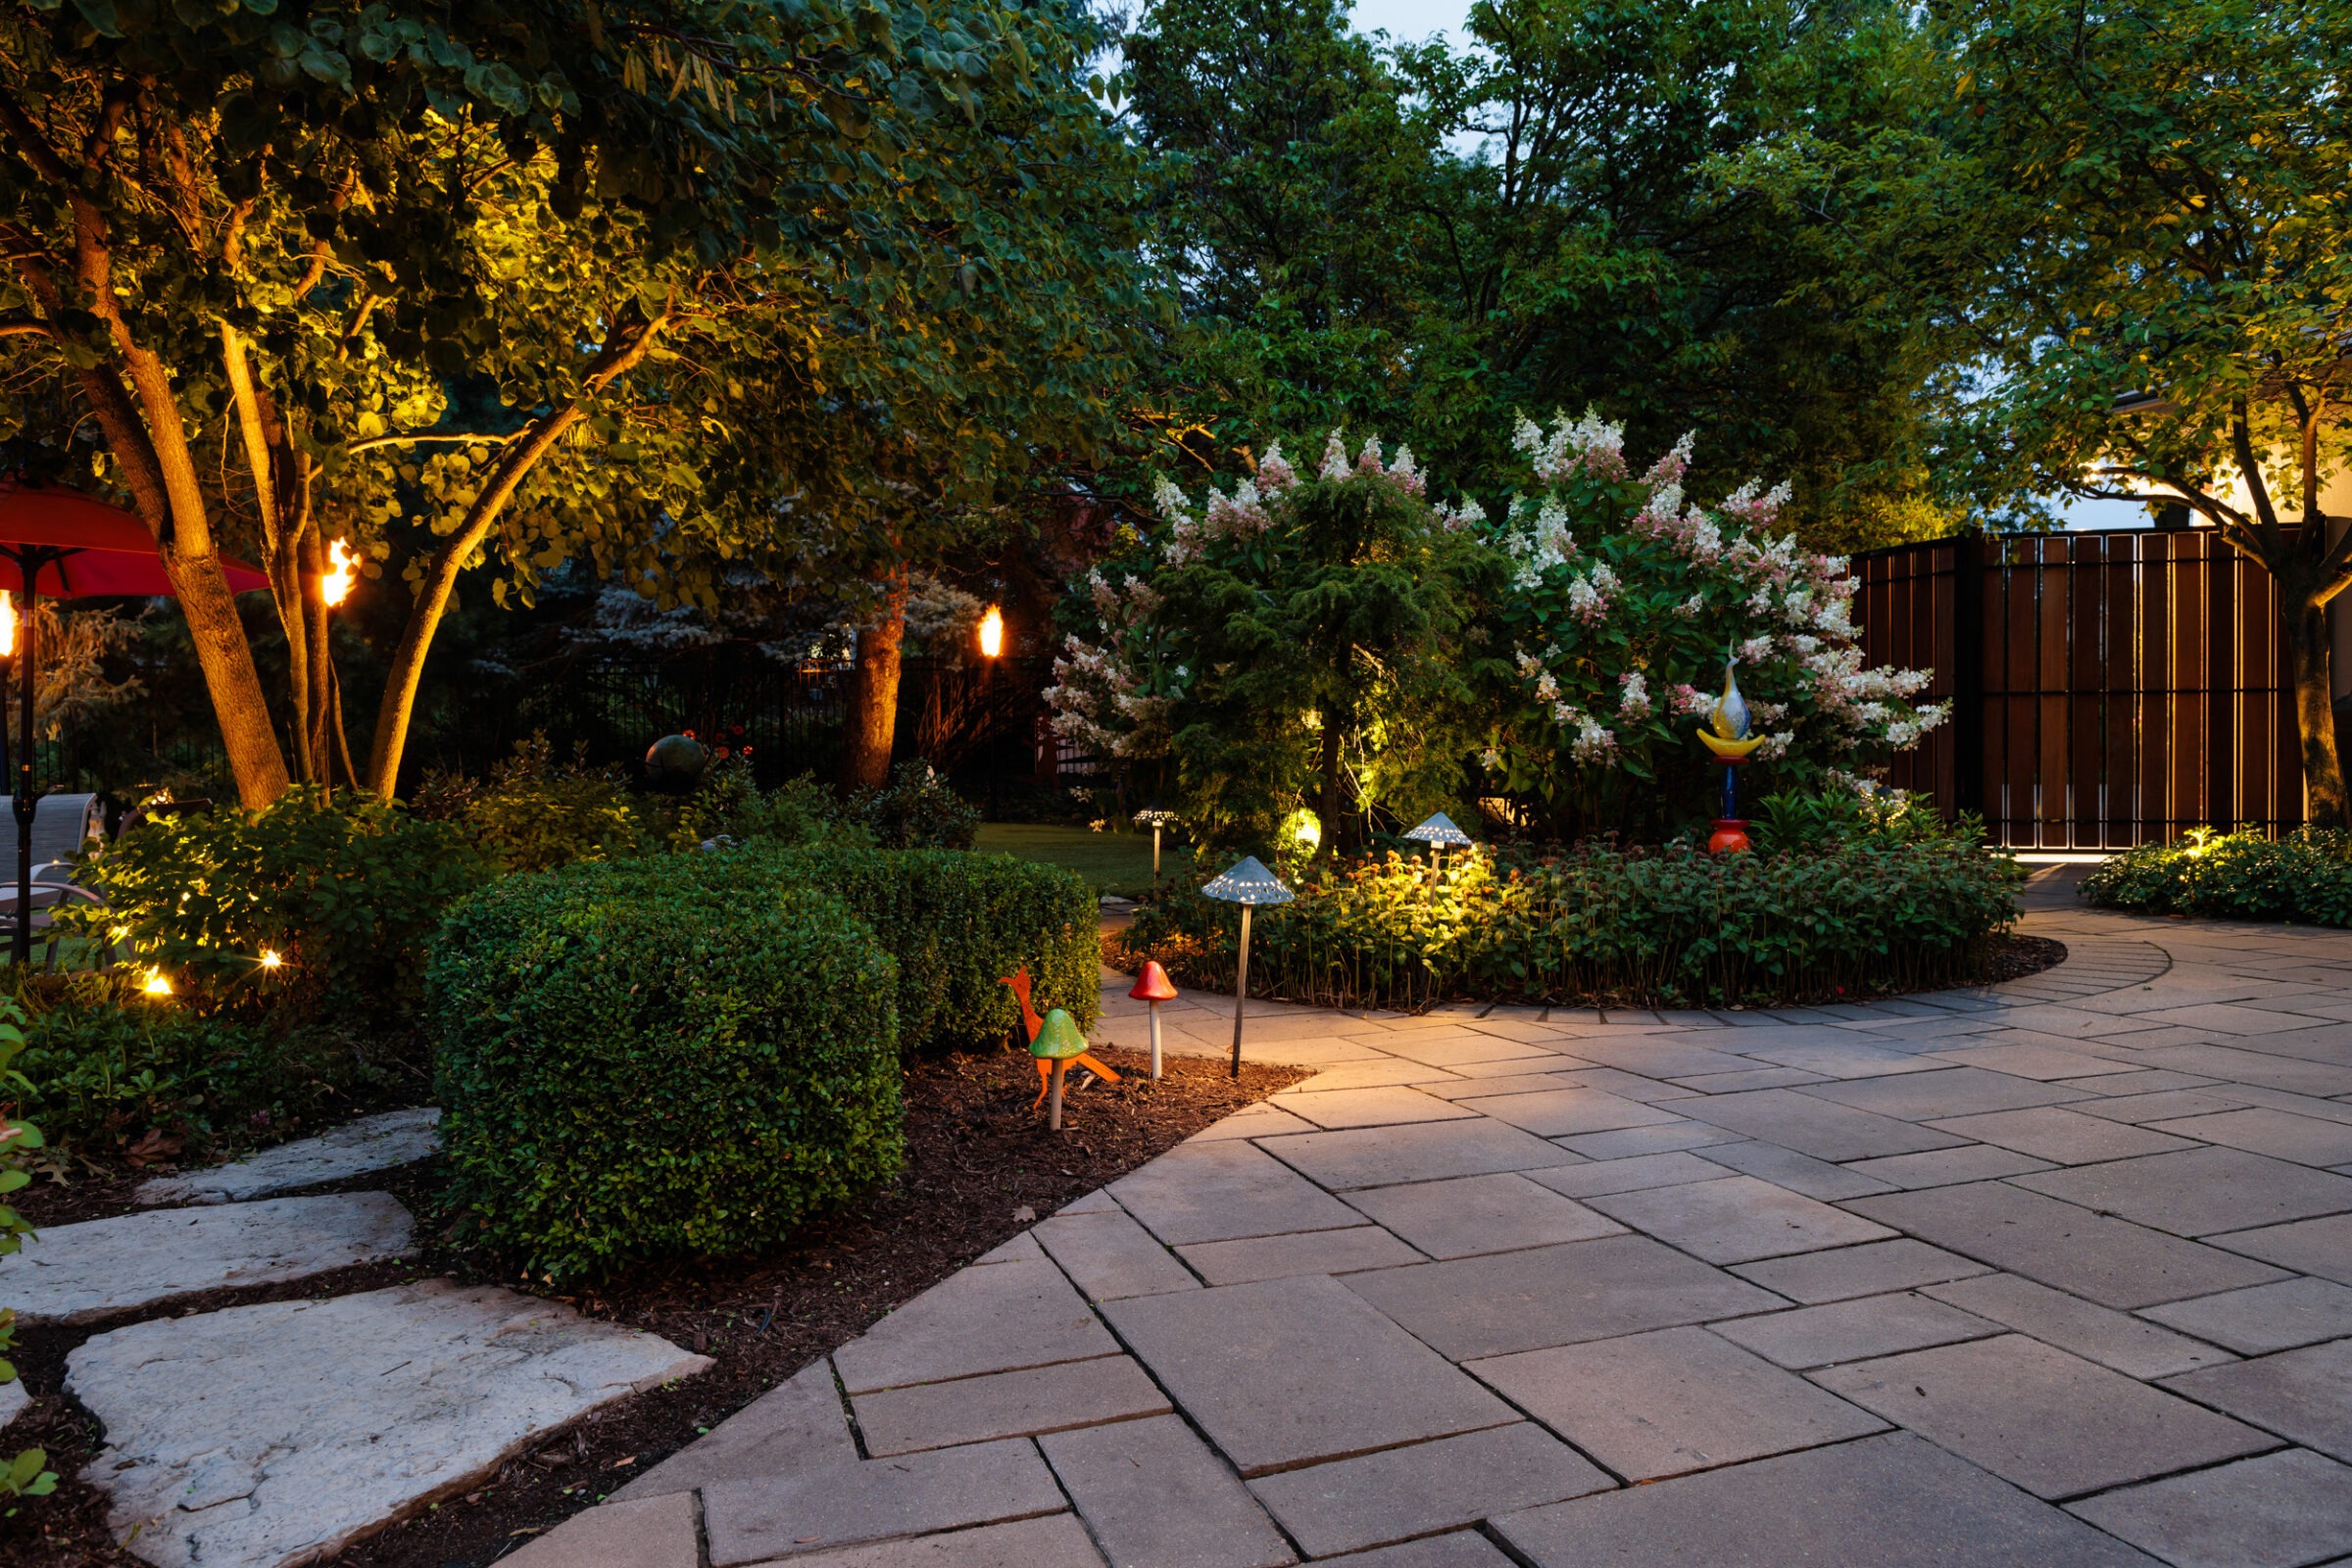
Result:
pixel 2041 1275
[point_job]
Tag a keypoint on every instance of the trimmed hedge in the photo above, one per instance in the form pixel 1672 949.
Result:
pixel 2305 876
pixel 637 1061
pixel 956 921
pixel 1672 927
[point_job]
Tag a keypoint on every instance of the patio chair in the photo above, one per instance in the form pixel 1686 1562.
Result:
pixel 63 826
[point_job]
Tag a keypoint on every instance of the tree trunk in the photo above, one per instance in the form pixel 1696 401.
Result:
pixel 2310 650
pixel 873 713
pixel 1328 808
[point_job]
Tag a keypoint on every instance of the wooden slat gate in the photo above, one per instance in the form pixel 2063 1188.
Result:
pixel 2108 688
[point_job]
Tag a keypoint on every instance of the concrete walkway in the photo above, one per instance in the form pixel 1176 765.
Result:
pixel 2046 1274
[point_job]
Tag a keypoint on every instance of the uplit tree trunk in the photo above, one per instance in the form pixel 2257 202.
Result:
pixel 632 339
pixel 1328 807
pixel 872 719
pixel 2311 659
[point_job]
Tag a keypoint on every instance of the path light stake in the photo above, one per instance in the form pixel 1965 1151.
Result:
pixel 1152 986
pixel 1057 1042
pixel 1155 819
pixel 1437 831
pixel 1248 884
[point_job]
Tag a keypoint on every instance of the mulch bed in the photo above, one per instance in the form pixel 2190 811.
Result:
pixel 980 1169
pixel 2014 958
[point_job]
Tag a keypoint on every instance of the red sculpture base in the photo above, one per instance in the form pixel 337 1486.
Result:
pixel 1730 836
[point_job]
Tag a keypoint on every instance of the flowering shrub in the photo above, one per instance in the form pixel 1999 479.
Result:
pixel 1673 927
pixel 1625 602
pixel 1299 639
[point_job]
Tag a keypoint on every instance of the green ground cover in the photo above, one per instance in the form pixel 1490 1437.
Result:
pixel 1110 862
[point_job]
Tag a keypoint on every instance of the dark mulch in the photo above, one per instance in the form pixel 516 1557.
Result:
pixel 980 1167
pixel 2014 957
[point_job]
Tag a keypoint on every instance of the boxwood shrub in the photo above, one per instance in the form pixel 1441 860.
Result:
pixel 636 1059
pixel 1666 927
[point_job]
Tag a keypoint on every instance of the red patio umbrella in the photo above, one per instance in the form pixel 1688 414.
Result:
pixel 76 548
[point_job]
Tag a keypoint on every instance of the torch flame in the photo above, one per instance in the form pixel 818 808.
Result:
pixel 342 567
pixel 156 984
pixel 992 632
pixel 8 624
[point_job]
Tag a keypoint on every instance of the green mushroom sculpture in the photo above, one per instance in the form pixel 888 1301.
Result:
pixel 1057 1042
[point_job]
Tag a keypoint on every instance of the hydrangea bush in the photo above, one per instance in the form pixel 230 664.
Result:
pixel 1624 603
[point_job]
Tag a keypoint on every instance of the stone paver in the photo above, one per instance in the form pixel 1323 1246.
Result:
pixel 999 1317
pixel 2052 1423
pixel 356 1148
pixel 277 1433
pixel 2321 1247
pixel 13 1402
pixel 1889 1501
pixel 1398 1494
pixel 2111 1261
pixel 1867 1270
pixel 1658 1404
pixel 2305 1396
pixel 1738 1220
pixel 758 1520
pixel 651 1533
pixel 1471 1214
pixel 1156 1497
pixel 797 1425
pixel 1824 1129
pixel 2265 1317
pixel 1107 1256
pixel 1220 1189
pixel 1548 1295
pixel 1286 1372
pixel 1267 1258
pixel 2281 1510
pixel 2083 1231
pixel 2098 1334
pixel 1855 1331
pixel 107 1267
pixel 2199 1191
pixel 1375 1157
pixel 1006 1404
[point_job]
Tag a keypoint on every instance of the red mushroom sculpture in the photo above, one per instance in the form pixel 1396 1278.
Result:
pixel 1152 986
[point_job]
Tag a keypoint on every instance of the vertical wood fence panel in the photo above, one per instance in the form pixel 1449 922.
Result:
pixel 2109 688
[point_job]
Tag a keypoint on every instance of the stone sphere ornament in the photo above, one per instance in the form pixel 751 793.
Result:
pixel 675 762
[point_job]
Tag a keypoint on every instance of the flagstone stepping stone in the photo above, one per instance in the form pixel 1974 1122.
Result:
pixel 13 1401
pixel 281 1433
pixel 356 1148
pixel 106 1267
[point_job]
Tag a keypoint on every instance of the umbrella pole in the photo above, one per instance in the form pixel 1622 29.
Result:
pixel 23 803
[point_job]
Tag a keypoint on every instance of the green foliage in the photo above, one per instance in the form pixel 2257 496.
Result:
pixel 917 810
pixel 535 813
pixel 111 1065
pixel 2304 877
pixel 23 1475
pixel 1549 212
pixel 636 1061
pixel 1307 638
pixel 345 889
pixel 1789 821
pixel 1598 925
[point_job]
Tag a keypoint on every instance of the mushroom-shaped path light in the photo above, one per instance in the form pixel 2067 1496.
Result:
pixel 1155 818
pixel 1437 830
pixel 1057 1042
pixel 1152 986
pixel 1248 883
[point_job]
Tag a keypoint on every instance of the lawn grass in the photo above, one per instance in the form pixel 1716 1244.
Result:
pixel 1110 862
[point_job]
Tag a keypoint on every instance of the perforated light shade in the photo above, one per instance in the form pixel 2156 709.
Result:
pixel 1248 881
pixel 1438 829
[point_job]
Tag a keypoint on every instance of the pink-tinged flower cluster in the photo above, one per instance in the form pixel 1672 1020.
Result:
pixel 1669 469
pixel 1633 696
pixel 1588 596
pixel 1274 471
pixel 1688 700
pixel 1588 444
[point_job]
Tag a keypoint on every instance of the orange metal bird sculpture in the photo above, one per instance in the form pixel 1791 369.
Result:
pixel 1031 1023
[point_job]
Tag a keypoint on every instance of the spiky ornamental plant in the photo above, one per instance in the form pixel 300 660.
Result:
pixel 1624 603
